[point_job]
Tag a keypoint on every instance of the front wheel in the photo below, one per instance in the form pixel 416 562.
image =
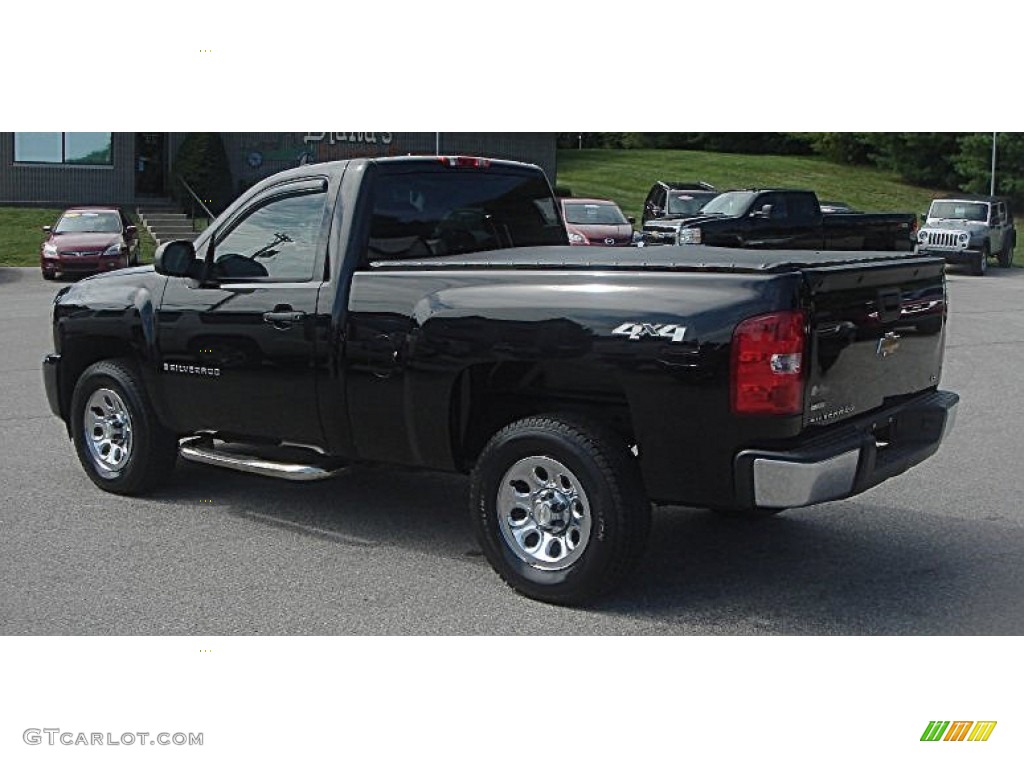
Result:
pixel 559 508
pixel 122 446
pixel 1006 255
pixel 981 265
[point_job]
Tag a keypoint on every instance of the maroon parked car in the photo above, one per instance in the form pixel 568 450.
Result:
pixel 87 240
pixel 596 222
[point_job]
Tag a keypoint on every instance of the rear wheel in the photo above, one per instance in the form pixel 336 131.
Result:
pixel 559 509
pixel 122 446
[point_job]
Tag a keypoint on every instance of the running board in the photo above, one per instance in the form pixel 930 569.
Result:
pixel 203 451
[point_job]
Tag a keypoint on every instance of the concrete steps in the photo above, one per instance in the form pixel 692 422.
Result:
pixel 165 222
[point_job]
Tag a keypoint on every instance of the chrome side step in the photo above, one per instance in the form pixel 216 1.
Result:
pixel 203 451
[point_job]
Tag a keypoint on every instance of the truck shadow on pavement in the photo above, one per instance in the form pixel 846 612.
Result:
pixel 844 568
pixel 841 568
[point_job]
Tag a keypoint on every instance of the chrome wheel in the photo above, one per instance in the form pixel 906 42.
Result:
pixel 543 513
pixel 108 432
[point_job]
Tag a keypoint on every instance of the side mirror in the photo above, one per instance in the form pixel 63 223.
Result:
pixel 131 230
pixel 631 219
pixel 765 212
pixel 47 229
pixel 176 259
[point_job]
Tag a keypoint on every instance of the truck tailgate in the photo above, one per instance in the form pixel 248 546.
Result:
pixel 877 333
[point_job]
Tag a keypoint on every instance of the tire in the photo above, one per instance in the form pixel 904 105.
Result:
pixel 1006 255
pixel 980 267
pixel 559 508
pixel 122 446
pixel 49 275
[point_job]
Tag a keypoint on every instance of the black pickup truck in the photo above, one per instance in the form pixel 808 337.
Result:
pixel 429 313
pixel 783 218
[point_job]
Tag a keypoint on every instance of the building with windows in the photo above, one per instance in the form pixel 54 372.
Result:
pixel 61 169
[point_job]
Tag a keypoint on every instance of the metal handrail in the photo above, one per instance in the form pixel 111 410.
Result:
pixel 196 198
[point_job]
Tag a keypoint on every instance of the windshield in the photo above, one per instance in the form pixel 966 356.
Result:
pixel 86 221
pixel 729 203
pixel 959 209
pixel 593 213
pixel 687 203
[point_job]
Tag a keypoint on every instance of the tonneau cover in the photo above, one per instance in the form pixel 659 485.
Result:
pixel 676 258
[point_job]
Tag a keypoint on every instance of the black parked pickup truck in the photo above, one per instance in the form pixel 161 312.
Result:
pixel 783 218
pixel 428 312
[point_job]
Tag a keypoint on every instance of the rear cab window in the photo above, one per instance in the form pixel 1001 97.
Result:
pixel 421 212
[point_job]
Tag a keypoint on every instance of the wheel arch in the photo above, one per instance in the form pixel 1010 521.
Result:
pixel 487 397
pixel 77 357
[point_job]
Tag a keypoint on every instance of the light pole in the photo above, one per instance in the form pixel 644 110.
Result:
pixel 437 143
pixel 992 181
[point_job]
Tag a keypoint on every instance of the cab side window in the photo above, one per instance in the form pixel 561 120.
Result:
pixel 803 209
pixel 649 203
pixel 780 210
pixel 277 239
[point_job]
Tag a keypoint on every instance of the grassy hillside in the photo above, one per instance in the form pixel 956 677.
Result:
pixel 626 176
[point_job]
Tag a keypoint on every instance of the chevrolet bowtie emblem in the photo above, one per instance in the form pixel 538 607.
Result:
pixel 888 344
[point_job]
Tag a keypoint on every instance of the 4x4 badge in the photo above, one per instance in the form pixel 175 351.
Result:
pixel 637 331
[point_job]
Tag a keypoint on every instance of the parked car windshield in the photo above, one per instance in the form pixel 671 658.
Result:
pixel 687 203
pixel 729 203
pixel 88 221
pixel 594 213
pixel 959 209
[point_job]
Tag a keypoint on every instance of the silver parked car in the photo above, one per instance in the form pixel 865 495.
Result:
pixel 969 229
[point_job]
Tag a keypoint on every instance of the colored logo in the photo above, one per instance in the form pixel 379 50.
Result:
pixel 958 730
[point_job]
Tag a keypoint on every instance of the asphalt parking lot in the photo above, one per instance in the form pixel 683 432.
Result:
pixel 935 551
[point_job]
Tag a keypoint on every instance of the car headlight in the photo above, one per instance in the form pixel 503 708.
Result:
pixel 577 239
pixel 50 250
pixel 965 238
pixel 689 236
pixel 115 250
pixel 922 237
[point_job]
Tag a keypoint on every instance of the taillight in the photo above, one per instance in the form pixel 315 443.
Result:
pixel 465 162
pixel 768 364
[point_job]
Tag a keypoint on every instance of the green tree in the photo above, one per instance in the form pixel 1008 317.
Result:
pixel 920 158
pixel 848 148
pixel 974 164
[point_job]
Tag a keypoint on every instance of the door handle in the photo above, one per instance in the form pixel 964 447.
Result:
pixel 283 319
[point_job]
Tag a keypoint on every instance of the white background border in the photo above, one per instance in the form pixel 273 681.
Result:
pixel 525 66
